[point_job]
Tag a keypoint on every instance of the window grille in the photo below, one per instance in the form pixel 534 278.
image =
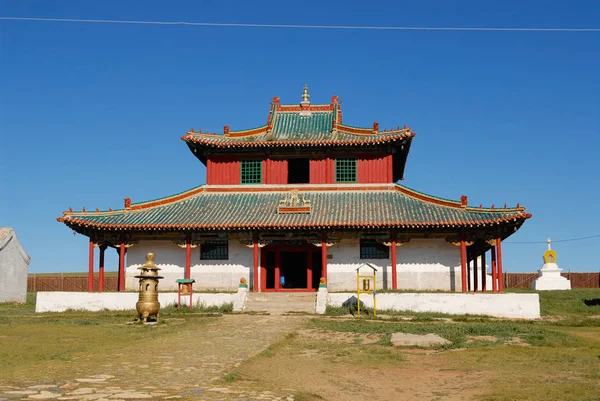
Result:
pixel 371 249
pixel 345 170
pixel 251 172
pixel 214 250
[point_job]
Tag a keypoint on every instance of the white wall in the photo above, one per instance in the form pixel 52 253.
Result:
pixel 516 306
pixel 209 274
pixel 13 270
pixel 56 301
pixel 423 264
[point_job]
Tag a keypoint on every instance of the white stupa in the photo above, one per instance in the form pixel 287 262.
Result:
pixel 549 277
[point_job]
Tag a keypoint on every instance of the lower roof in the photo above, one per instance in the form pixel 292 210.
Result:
pixel 333 206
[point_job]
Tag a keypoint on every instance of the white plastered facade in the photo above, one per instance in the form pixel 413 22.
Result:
pixel 422 264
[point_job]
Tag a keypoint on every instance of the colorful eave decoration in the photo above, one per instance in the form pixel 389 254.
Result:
pixel 327 206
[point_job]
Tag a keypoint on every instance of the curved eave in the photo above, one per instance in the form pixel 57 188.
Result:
pixel 74 222
pixel 206 141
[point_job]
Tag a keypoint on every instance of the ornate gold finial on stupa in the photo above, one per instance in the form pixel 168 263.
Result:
pixel 305 95
pixel 549 255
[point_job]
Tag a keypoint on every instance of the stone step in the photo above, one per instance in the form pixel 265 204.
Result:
pixel 279 303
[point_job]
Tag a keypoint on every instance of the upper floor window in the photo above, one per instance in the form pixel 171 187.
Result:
pixel 345 170
pixel 214 250
pixel 371 249
pixel 251 172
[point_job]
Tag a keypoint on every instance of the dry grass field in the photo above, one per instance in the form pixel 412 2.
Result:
pixel 211 355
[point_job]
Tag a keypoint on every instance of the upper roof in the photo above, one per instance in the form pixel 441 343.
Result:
pixel 301 124
pixel 342 206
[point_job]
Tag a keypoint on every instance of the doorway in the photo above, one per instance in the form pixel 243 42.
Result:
pixel 290 268
pixel 298 171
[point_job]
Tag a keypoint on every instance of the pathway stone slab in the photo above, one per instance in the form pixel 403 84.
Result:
pixel 419 340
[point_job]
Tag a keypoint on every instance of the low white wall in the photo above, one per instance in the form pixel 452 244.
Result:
pixel 209 274
pixel 522 306
pixel 96 301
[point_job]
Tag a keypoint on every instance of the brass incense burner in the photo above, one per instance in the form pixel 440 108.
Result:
pixel 147 304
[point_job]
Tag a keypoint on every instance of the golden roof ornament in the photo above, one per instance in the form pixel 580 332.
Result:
pixel 305 95
pixel 550 254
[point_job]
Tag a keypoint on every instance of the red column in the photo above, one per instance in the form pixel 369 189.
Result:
pixel 494 275
pixel 394 273
pixel 483 276
pixel 122 264
pixel 101 269
pixel 324 256
pixel 188 256
pixel 91 265
pixel 475 277
pixel 499 264
pixel 255 281
pixel 463 263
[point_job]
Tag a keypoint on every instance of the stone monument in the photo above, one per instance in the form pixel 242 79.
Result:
pixel 549 277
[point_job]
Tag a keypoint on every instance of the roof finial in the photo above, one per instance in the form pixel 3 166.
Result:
pixel 549 241
pixel 305 95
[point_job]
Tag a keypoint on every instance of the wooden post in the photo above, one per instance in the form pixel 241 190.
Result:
pixel 101 269
pixel 463 262
pixel 91 265
pixel 475 277
pixel 188 256
pixel 483 275
pixel 499 264
pixel 394 272
pixel 324 255
pixel 121 285
pixel 494 275
pixel 255 285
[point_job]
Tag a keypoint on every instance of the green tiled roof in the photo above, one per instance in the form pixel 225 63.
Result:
pixel 350 206
pixel 291 126
pixel 317 125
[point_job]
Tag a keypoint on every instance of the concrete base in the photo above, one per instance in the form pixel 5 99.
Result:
pixel 97 301
pixel 549 278
pixel 321 304
pixel 520 306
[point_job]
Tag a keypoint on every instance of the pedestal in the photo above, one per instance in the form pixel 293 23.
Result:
pixel 549 278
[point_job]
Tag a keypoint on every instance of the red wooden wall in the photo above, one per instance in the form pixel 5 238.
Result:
pixel 318 171
pixel 223 170
pixel 275 171
pixel 375 169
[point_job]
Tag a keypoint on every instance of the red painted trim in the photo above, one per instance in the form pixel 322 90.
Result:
pixel 475 276
pixel 188 256
pixel 494 271
pixel 324 256
pixel 309 271
pixel 500 275
pixel 122 264
pixel 394 263
pixel 255 270
pixel 463 263
pixel 91 264
pixel 483 273
pixel 101 269
pixel 390 162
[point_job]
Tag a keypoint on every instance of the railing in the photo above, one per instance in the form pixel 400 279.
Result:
pixel 67 283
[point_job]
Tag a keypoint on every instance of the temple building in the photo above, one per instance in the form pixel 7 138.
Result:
pixel 298 199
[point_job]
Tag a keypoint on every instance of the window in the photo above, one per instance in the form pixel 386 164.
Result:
pixel 251 172
pixel 345 170
pixel 214 250
pixel 371 249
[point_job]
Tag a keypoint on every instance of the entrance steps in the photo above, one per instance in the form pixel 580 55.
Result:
pixel 279 303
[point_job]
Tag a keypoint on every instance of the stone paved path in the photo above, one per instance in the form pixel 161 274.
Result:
pixel 191 369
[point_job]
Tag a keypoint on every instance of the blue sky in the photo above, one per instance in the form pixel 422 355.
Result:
pixel 92 113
